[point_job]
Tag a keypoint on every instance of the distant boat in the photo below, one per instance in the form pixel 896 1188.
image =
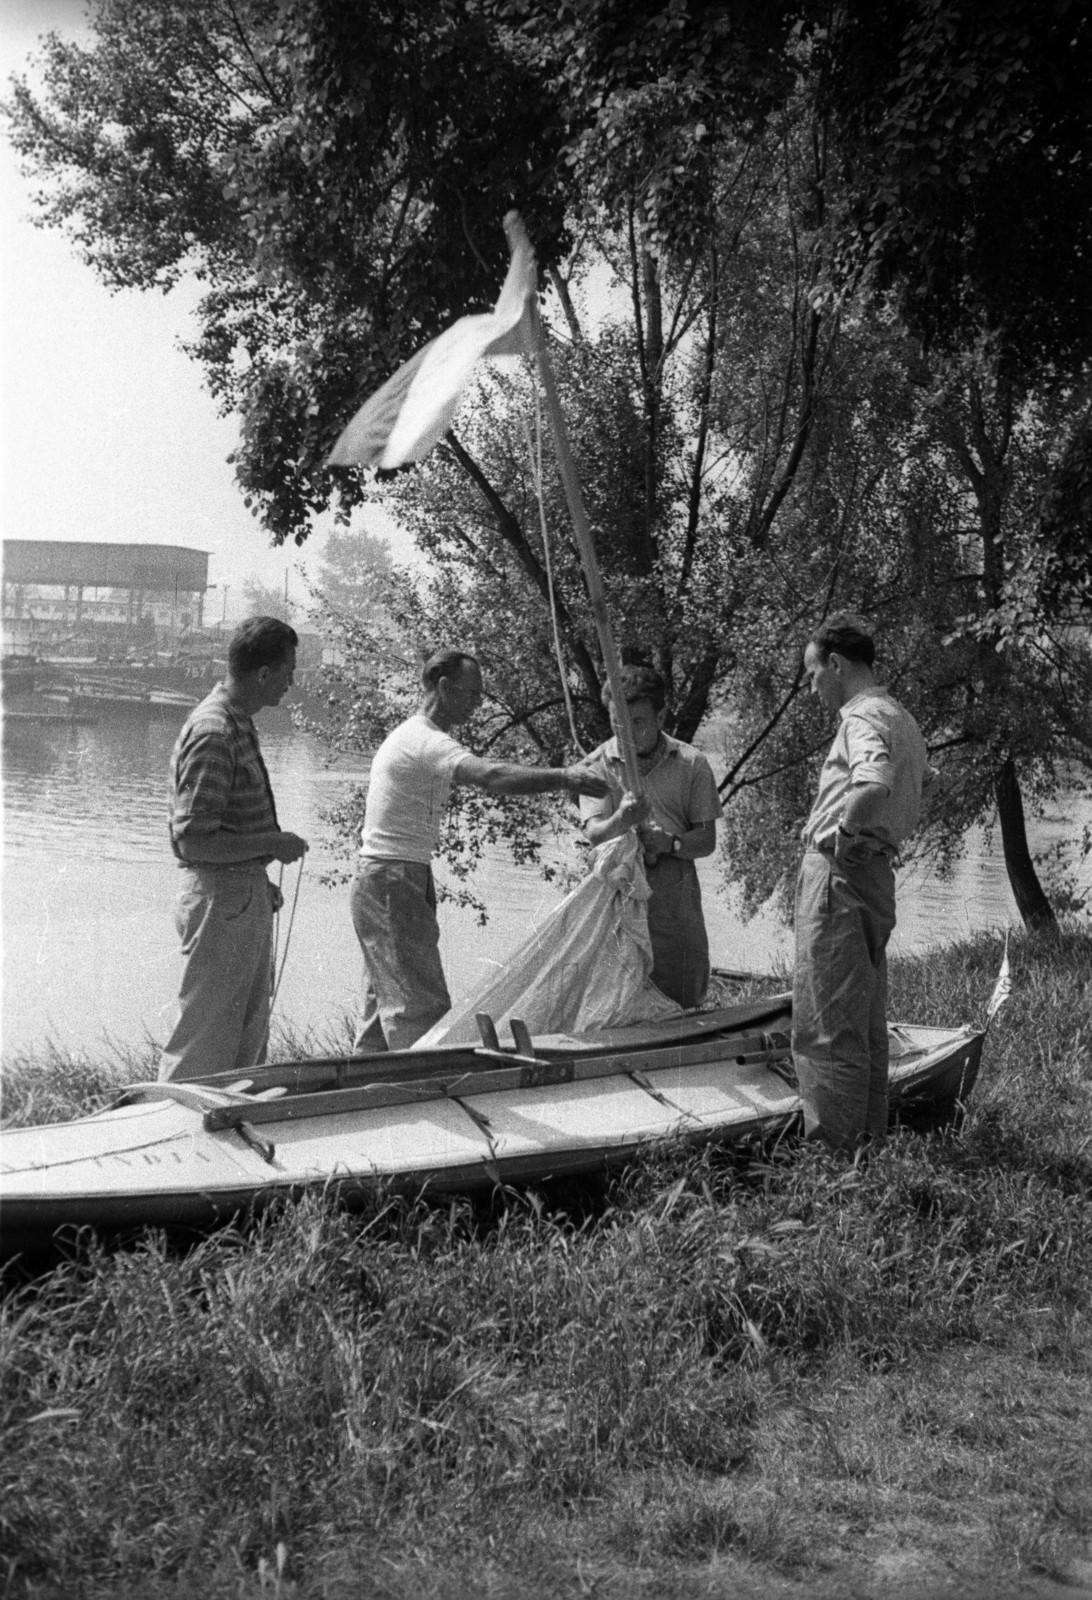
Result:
pixel 103 692
pixel 452 1120
pixel 68 718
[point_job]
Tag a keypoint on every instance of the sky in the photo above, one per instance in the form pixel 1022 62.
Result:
pixel 106 432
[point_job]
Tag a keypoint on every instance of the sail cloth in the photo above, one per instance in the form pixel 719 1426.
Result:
pixel 413 410
pixel 587 966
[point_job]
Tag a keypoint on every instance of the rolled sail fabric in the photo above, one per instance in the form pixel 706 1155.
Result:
pixel 586 966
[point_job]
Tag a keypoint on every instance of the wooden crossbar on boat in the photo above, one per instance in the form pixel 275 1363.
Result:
pixel 522 1074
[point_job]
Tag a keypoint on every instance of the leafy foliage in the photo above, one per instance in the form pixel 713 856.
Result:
pixel 852 369
pixel 337 180
pixel 965 129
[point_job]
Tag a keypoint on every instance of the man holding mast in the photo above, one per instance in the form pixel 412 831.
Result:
pixel 868 802
pixel 393 896
pixel 676 821
pixel 224 833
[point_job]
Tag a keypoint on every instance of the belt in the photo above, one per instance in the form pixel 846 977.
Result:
pixel 235 868
pixel 673 861
pixel 881 853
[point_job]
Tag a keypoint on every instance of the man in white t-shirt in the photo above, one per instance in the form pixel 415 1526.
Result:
pixel 393 895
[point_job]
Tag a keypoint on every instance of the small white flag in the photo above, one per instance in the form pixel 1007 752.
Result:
pixel 414 409
pixel 1003 987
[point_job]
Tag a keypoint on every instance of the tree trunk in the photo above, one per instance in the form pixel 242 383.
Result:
pixel 1031 902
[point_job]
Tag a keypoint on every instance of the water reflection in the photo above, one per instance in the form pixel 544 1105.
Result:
pixel 100 787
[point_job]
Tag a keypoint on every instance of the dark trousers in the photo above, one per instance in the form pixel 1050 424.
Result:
pixel 844 918
pixel 676 926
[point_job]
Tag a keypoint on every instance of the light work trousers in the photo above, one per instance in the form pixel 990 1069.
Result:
pixel 225 922
pixel 844 918
pixel 676 926
pixel 394 913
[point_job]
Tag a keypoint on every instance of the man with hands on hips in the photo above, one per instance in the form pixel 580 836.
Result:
pixel 675 820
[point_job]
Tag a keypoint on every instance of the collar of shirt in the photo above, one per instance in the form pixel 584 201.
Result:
pixel 240 718
pixel 666 747
pixel 865 694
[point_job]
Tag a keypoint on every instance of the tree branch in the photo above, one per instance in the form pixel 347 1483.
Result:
pixel 561 289
pixel 510 530
pixel 729 777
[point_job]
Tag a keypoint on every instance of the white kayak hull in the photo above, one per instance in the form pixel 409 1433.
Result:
pixel 200 1153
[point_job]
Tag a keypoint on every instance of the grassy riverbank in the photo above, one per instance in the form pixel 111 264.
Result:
pixel 713 1377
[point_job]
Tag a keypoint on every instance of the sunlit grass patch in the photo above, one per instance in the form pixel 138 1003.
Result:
pixel 52 1085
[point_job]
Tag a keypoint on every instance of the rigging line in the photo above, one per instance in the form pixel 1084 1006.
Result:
pixel 534 450
pixel 288 935
pixel 276 935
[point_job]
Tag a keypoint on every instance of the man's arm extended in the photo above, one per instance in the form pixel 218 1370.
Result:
pixel 503 777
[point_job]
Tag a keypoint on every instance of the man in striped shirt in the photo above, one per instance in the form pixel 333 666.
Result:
pixel 224 833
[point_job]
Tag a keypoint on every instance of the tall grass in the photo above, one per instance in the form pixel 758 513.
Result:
pixel 714 1370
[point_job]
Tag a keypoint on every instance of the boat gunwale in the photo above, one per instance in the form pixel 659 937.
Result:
pixel 400 1065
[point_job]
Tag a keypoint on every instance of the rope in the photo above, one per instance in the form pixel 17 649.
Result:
pixel 534 450
pixel 276 936
pixel 288 934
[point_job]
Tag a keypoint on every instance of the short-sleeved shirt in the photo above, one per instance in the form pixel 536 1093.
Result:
pixel 218 780
pixel 680 785
pixel 408 791
pixel 877 741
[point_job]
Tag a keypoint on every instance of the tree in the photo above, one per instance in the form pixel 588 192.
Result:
pixel 960 132
pixel 789 196
pixel 354 568
pixel 965 133
pixel 337 179
pixel 999 679
pixel 266 600
pixel 1017 702
pixel 961 137
pixel 732 476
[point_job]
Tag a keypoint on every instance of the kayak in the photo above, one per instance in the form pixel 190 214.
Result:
pixel 452 1119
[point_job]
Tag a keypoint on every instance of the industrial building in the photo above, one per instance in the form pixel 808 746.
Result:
pixel 54 589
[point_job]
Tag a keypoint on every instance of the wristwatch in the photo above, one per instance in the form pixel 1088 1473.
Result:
pixel 676 844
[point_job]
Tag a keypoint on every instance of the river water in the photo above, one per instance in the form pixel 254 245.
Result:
pixel 90 955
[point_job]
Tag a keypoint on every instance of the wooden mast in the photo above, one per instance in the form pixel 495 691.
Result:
pixel 570 480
